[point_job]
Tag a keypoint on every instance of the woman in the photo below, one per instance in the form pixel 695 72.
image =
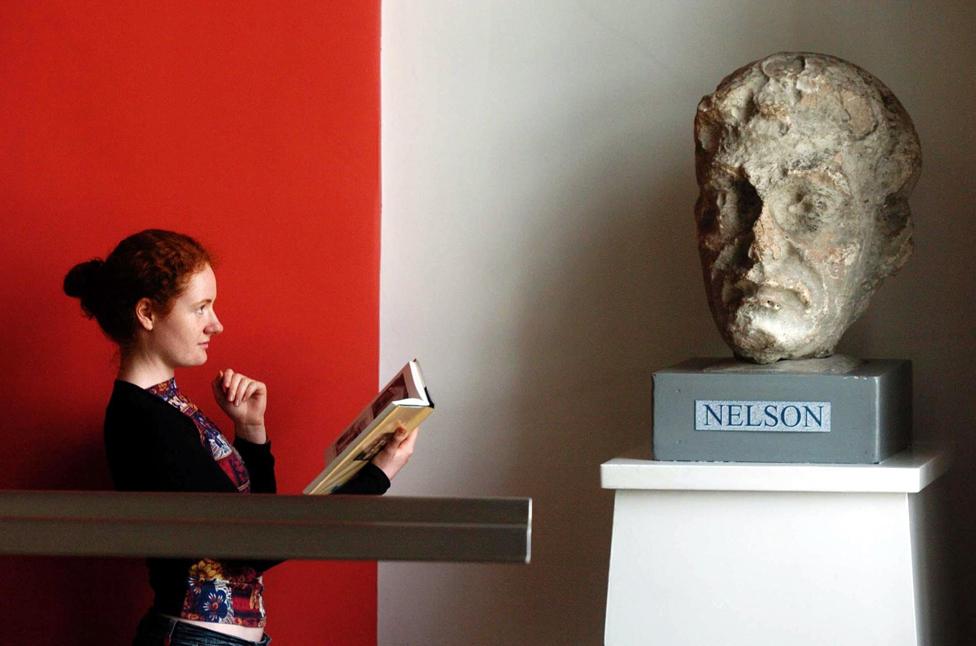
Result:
pixel 154 297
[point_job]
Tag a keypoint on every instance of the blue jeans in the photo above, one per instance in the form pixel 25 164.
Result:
pixel 156 630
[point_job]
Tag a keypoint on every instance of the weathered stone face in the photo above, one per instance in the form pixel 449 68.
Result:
pixel 804 163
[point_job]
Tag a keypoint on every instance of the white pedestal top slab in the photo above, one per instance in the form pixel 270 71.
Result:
pixel 907 472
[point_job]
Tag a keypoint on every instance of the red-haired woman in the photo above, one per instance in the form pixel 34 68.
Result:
pixel 154 297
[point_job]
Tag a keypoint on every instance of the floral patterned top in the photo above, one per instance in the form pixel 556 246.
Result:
pixel 218 592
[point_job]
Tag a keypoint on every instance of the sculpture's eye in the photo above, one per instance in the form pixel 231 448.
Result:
pixel 727 210
pixel 803 209
pixel 804 212
pixel 742 207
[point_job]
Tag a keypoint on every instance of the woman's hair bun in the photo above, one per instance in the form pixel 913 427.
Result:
pixel 153 264
pixel 82 279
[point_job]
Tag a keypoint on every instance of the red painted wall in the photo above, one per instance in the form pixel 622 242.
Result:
pixel 253 127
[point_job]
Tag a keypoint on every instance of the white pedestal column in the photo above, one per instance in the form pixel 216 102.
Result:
pixel 723 554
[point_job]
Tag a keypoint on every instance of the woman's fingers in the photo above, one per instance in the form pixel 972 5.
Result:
pixel 242 398
pixel 231 383
pixel 409 441
pixel 397 452
pixel 403 443
pixel 251 388
pixel 235 387
pixel 239 389
pixel 399 435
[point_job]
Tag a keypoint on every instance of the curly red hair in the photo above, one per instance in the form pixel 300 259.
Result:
pixel 153 264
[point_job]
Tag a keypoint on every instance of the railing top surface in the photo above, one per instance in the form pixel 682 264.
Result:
pixel 216 506
pixel 264 526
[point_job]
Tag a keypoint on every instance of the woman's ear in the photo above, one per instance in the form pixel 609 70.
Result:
pixel 144 314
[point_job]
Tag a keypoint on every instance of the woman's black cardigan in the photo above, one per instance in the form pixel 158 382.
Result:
pixel 152 446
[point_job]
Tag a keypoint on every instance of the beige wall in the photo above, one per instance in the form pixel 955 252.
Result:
pixel 538 256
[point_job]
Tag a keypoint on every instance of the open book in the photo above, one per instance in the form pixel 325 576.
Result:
pixel 403 402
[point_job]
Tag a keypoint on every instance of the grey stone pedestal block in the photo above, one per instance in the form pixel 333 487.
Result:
pixel 712 410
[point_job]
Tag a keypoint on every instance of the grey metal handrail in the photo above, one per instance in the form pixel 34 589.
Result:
pixel 264 526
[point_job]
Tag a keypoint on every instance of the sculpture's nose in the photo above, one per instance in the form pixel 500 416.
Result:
pixel 769 243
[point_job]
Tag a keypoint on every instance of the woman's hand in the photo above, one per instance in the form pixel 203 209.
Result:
pixel 244 401
pixel 397 452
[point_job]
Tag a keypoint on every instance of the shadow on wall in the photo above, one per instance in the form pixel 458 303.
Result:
pixel 613 294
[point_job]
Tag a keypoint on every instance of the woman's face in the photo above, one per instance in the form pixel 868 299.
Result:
pixel 180 338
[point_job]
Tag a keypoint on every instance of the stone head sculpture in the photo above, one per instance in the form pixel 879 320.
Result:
pixel 805 163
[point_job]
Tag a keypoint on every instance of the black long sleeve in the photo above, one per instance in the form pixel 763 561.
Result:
pixel 370 480
pixel 151 446
pixel 260 465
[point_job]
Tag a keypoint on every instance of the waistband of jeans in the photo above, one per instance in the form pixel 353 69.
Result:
pixel 184 629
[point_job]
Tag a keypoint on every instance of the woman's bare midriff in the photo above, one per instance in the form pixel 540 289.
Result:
pixel 243 632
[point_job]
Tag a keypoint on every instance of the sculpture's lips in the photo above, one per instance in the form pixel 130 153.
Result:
pixel 773 296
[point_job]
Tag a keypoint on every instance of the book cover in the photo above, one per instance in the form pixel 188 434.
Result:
pixel 404 401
